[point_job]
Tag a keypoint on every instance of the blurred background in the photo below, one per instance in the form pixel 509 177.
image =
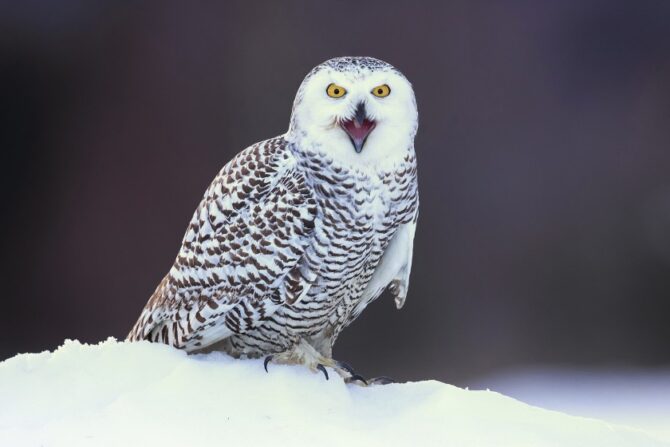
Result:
pixel 544 162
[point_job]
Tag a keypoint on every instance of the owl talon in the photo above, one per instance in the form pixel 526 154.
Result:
pixel 353 376
pixel 322 368
pixel 356 378
pixel 268 359
pixel 345 366
pixel 381 380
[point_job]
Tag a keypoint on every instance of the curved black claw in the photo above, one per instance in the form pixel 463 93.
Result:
pixel 268 359
pixel 353 377
pixel 381 380
pixel 356 377
pixel 347 367
pixel 322 368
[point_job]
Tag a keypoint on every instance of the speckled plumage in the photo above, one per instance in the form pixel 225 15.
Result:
pixel 291 240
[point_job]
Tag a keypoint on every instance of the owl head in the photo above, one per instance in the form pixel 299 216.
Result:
pixel 359 110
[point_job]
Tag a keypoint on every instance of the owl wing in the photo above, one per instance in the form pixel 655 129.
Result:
pixel 240 258
pixel 403 240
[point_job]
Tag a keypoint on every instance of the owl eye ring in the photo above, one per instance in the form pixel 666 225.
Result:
pixel 335 91
pixel 381 91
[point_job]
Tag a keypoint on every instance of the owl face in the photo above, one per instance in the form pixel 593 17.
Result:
pixel 358 110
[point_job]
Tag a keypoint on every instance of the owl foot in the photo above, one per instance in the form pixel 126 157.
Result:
pixel 304 354
pixel 343 369
pixel 287 361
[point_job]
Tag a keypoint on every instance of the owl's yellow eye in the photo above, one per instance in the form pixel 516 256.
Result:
pixel 335 91
pixel 381 91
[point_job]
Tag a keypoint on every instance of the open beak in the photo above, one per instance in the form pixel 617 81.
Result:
pixel 359 127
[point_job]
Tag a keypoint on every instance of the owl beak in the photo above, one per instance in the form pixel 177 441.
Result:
pixel 359 127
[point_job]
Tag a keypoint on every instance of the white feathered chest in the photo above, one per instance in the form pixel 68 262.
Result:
pixel 358 214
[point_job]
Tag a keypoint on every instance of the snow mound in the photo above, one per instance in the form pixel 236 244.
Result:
pixel 142 394
pixel 634 397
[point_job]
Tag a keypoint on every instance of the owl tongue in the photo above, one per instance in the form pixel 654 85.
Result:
pixel 358 128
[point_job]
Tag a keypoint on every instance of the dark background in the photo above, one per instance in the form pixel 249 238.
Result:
pixel 544 162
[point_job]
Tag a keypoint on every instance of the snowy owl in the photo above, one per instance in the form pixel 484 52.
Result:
pixel 297 234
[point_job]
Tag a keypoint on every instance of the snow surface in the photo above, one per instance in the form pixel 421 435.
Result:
pixel 141 394
pixel 633 397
